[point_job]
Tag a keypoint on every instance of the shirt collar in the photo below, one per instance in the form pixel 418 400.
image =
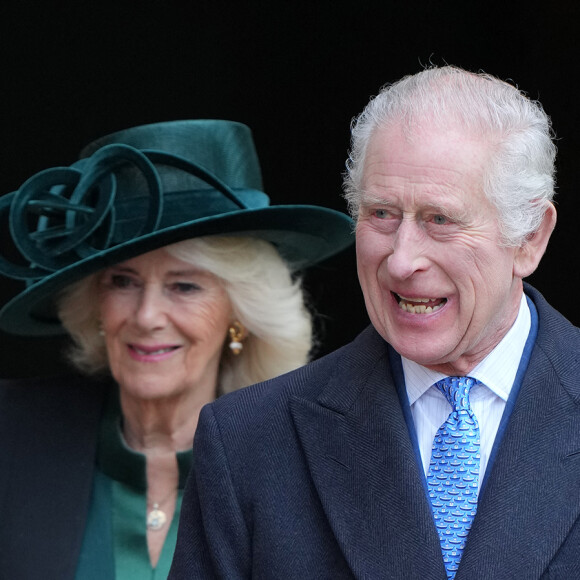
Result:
pixel 497 370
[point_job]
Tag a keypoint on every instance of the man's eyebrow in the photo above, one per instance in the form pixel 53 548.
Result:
pixel 372 199
pixel 457 214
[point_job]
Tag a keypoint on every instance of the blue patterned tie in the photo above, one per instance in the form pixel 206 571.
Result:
pixel 454 471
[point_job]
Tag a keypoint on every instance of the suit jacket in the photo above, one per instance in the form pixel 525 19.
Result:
pixel 313 475
pixel 48 440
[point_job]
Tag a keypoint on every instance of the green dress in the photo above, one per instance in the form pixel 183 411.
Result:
pixel 115 541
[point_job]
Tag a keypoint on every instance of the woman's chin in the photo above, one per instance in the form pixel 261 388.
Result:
pixel 150 389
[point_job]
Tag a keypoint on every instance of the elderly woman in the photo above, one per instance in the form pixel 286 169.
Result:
pixel 161 257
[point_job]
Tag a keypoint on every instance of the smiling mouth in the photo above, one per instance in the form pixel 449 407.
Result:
pixel 420 305
pixel 149 352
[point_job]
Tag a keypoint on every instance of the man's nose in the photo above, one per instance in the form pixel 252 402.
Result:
pixel 409 250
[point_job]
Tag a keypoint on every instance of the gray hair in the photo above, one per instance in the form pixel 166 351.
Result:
pixel 520 178
pixel 265 298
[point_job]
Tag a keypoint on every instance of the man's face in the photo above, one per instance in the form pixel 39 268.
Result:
pixel 438 286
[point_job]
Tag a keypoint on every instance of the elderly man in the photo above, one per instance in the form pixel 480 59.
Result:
pixel 444 442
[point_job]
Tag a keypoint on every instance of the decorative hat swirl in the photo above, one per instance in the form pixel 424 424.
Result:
pixel 75 206
pixel 138 190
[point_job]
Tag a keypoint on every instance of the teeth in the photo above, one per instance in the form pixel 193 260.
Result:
pixel 416 299
pixel 149 352
pixel 419 309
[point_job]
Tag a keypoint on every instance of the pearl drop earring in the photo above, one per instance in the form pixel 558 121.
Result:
pixel 236 332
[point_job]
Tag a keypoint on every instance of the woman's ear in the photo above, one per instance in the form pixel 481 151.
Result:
pixel 529 254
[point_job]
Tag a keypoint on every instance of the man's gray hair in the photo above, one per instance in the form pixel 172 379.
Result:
pixel 520 177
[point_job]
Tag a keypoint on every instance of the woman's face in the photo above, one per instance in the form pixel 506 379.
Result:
pixel 165 323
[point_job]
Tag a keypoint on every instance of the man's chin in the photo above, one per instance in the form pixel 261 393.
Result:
pixel 423 351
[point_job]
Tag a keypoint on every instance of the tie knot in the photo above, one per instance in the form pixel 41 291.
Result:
pixel 456 391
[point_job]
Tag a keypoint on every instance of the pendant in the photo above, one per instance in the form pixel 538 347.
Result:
pixel 156 518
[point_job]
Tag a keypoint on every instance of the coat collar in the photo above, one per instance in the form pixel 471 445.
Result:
pixel 363 466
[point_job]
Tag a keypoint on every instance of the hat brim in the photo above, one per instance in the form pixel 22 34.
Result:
pixel 303 234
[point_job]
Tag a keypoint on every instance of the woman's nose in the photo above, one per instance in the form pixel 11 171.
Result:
pixel 150 310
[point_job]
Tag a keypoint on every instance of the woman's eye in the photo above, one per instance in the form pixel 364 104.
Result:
pixel 120 281
pixel 381 214
pixel 185 287
pixel 440 220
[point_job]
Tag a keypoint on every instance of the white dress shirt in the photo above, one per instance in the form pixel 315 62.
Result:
pixel 496 371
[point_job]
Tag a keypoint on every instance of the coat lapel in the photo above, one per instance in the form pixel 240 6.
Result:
pixel 48 446
pixel 366 474
pixel 532 497
pixel 364 469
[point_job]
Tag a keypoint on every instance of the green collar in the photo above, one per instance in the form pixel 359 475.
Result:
pixel 120 462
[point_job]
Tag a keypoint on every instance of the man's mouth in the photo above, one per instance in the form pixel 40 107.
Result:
pixel 419 305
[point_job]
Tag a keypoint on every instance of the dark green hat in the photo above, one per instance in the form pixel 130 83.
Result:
pixel 140 189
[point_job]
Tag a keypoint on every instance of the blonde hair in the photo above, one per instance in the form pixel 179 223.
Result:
pixel 265 298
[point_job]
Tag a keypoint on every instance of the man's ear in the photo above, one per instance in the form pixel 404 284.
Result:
pixel 529 254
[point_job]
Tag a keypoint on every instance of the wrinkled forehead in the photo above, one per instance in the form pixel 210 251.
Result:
pixel 428 148
pixel 416 128
pixel 435 168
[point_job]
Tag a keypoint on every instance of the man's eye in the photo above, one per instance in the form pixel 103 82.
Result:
pixel 440 220
pixel 381 214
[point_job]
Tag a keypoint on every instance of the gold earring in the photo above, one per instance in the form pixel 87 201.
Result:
pixel 236 332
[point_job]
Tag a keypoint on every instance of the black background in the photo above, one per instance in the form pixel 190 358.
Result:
pixel 296 72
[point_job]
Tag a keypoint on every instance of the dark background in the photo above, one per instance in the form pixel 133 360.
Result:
pixel 296 72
